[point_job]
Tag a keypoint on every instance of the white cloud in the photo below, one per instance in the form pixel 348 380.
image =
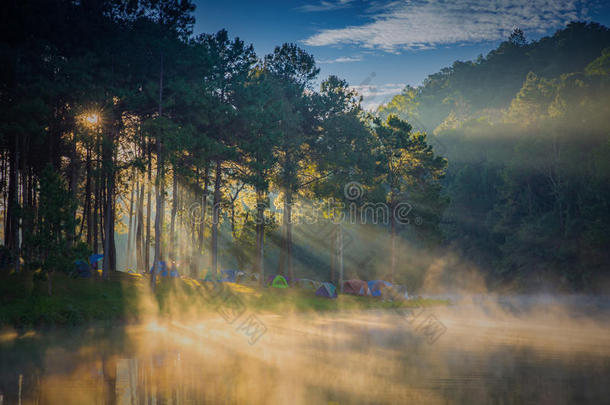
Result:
pixel 342 59
pixel 325 6
pixel 421 24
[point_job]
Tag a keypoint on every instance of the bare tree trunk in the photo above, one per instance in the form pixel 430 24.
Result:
pixel 260 236
pixel 172 231
pixel 333 255
pixel 109 253
pixel 131 218
pixel 11 231
pixel 159 189
pixel 215 219
pixel 204 201
pixel 74 169
pixel 87 204
pixel 95 213
pixel 340 255
pixel 141 265
pixel 148 214
pixel 393 241
pixel 288 241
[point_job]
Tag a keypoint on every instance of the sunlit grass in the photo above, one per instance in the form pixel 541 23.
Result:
pixel 127 297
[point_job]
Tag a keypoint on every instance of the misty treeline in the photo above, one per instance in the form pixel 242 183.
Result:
pixel 526 131
pixel 117 120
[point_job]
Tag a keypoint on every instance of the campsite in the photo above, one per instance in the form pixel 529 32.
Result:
pixel 312 202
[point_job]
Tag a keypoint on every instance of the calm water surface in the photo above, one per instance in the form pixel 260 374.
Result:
pixel 473 352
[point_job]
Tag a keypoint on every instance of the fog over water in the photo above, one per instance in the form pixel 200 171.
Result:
pixel 522 349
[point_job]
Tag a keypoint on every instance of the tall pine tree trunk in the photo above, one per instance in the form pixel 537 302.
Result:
pixel 109 248
pixel 148 213
pixel 340 255
pixel 95 225
pixel 11 230
pixel 159 188
pixel 87 204
pixel 260 236
pixel 333 254
pixel 204 205
pixel 131 218
pixel 73 184
pixel 286 267
pixel 215 219
pixel 141 265
pixel 393 240
pixel 172 231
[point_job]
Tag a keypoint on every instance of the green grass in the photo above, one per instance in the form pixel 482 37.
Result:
pixel 25 303
pixel 296 300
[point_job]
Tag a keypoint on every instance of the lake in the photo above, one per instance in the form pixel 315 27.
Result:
pixel 480 350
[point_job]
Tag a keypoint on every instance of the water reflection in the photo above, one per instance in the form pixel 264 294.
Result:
pixel 365 358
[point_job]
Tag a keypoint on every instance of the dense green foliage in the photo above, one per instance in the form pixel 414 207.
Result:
pixel 123 133
pixel 527 137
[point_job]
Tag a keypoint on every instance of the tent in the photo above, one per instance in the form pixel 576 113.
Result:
pixel 376 286
pixel 94 260
pixel 279 282
pixel 230 276
pixel 308 284
pixel 271 277
pixel 82 269
pixel 162 269
pixel 327 290
pixel 356 287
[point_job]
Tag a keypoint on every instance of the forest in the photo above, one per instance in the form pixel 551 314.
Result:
pixel 191 216
pixel 175 146
pixel 526 133
pixel 123 133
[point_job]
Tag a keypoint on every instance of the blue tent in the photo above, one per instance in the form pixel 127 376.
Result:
pixel 327 290
pixel 94 260
pixel 162 269
pixel 376 286
pixel 82 269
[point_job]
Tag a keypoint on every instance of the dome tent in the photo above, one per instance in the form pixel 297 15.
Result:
pixel 327 290
pixel 82 269
pixel 94 261
pixel 356 287
pixel 161 269
pixel 376 286
pixel 279 282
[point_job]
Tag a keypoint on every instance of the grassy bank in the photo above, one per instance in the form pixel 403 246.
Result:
pixel 25 302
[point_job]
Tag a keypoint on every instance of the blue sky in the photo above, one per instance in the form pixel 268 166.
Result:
pixel 380 46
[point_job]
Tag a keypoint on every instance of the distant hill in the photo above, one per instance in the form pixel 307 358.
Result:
pixel 493 81
pixel 526 134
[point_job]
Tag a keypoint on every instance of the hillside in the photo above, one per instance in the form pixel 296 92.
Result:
pixel 526 134
pixel 491 82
